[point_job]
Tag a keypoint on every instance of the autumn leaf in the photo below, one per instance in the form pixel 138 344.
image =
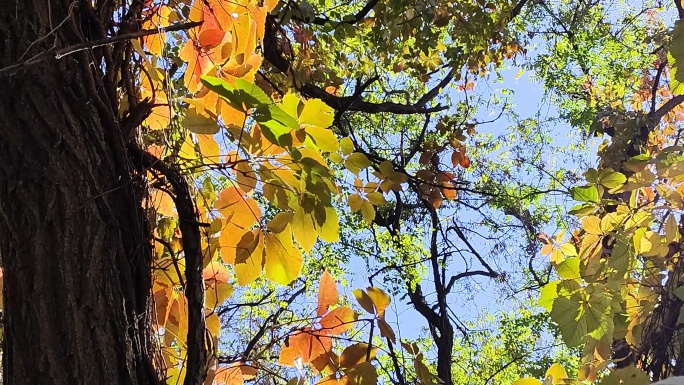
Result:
pixel 237 208
pixel 307 345
pixel 338 320
pixel 327 293
pixel 356 354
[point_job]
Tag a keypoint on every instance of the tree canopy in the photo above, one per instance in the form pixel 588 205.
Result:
pixel 333 192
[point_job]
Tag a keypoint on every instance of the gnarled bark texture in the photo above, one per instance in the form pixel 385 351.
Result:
pixel 72 236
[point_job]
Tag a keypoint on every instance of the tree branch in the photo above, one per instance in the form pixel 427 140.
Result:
pixel 65 51
pixel 194 290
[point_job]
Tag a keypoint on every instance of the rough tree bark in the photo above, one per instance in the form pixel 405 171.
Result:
pixel 73 239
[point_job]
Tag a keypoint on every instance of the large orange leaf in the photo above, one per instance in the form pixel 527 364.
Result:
pixel 307 345
pixel 339 320
pixel 237 208
pixel 327 293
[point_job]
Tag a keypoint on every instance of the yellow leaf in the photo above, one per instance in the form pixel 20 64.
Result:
pixel 558 373
pixel 280 221
pixel 303 229
pixel 198 123
pixel 291 105
pixel 592 225
pixel 527 381
pixel 380 299
pixel 316 113
pixel 355 354
pixel 568 249
pixel 329 231
pixel 209 148
pixel 324 138
pixel 362 374
pixel 283 262
pixel 346 145
pixel 357 162
pixel 214 325
pixel 250 269
pixel 671 229
pixel 187 149
pixel 368 212
pixel 364 300
pixel 217 294
pixel 386 330
pixel 376 198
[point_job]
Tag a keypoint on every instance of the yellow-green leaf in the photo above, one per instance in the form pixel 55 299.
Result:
pixel 368 212
pixel 282 261
pixel 346 145
pixel 303 229
pixel 357 162
pixel 324 138
pixel 316 113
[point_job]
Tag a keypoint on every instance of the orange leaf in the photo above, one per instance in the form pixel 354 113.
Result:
pixel 238 209
pixel 333 380
pixel 235 374
pixel 245 176
pixel 307 345
pixel 326 363
pixel 448 191
pixel 327 293
pixel 339 320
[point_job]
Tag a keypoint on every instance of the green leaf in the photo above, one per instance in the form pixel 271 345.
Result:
pixel 243 96
pixel 582 209
pixel 585 194
pixel 569 315
pixel 548 294
pixel 611 179
pixel 569 269
pixel 275 124
pixel 598 315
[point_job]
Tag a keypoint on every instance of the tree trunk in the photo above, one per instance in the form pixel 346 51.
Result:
pixel 74 243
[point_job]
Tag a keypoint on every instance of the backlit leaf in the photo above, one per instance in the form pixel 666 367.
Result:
pixel 327 293
pixel 339 320
pixel 316 113
pixel 364 300
pixel 356 354
pixel 198 123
